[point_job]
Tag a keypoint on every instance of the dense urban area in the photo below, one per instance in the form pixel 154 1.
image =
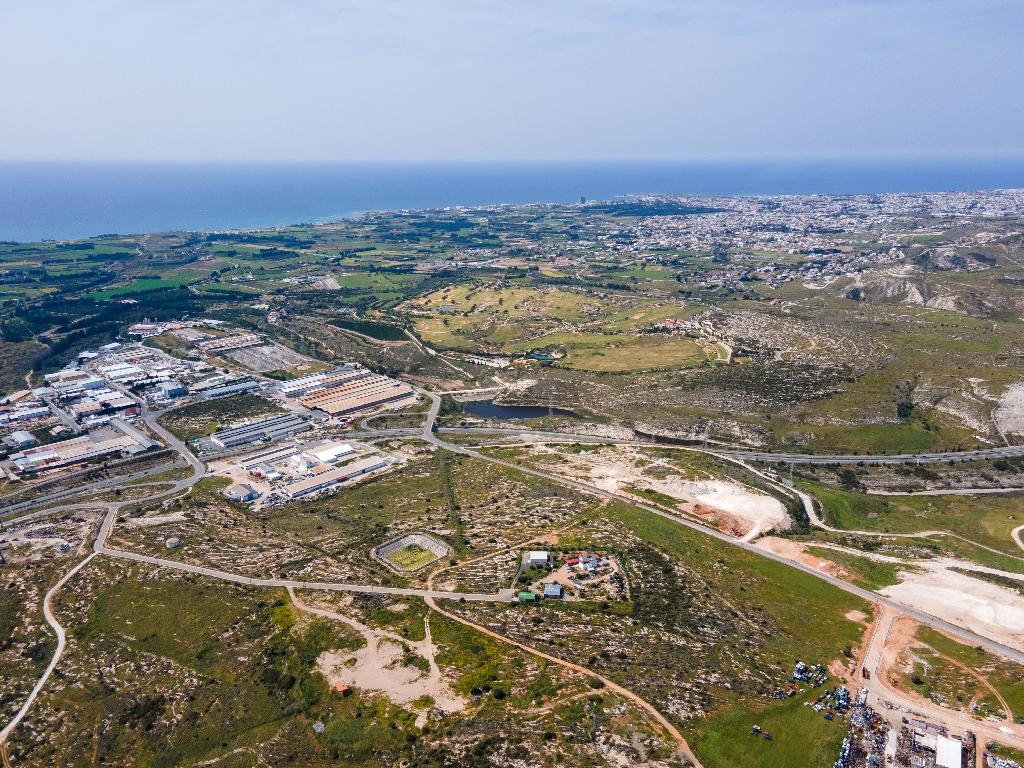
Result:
pixel 664 481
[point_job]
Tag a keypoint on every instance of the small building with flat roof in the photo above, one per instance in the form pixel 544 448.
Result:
pixel 538 557
pixel 242 492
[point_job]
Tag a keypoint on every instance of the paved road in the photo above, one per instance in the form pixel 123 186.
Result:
pixel 980 454
pixel 881 692
pixel 235 578
pixel 95 486
pixel 427 433
pixel 924 618
pixel 100 545
pixel 948 492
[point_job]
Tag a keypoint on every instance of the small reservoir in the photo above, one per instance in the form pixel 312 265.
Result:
pixel 485 409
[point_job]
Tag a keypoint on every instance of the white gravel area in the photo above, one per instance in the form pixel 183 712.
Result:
pixel 988 609
pixel 1009 414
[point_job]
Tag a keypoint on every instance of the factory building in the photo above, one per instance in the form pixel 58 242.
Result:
pixel 306 384
pixel 362 394
pixel 171 389
pixel 118 437
pixel 73 380
pixel 22 439
pixel 242 492
pixel 328 478
pixel 269 428
pixel 253 460
pixel 346 390
pixel 330 453
pixel 226 390
pixel 25 414
pixel 234 341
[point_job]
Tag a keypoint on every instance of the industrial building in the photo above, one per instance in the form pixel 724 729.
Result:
pixel 226 390
pixel 100 401
pixel 73 379
pixel 362 394
pixel 234 341
pixel 269 428
pixel 27 413
pixel 328 478
pixel 118 437
pixel 346 390
pixel 306 384
pixel 330 453
pixel 264 458
pixel 242 492
pixel 171 389
pixel 22 439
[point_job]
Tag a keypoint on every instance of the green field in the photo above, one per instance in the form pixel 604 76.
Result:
pixel 811 619
pixel 863 571
pixel 620 354
pixel 935 673
pixel 371 328
pixel 140 285
pixel 984 519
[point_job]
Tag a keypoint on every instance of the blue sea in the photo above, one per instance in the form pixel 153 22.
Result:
pixel 71 200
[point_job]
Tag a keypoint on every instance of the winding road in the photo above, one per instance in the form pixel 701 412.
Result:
pixel 61 636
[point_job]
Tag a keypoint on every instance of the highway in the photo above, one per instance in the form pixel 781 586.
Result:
pixel 99 485
pixel 981 454
pixel 768 457
pixel 924 618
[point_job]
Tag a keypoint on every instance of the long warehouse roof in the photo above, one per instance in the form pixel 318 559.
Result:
pixel 334 476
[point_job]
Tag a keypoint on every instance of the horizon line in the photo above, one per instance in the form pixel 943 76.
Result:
pixel 795 158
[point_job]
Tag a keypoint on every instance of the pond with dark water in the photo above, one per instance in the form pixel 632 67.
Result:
pixel 485 409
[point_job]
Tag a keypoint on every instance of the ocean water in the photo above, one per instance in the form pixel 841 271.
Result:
pixel 71 200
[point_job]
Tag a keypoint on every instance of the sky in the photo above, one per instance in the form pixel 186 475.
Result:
pixel 510 80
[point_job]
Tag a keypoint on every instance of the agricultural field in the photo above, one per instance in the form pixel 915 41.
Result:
pixel 412 552
pixel 412 557
pixel 593 335
pixel 896 332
